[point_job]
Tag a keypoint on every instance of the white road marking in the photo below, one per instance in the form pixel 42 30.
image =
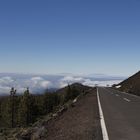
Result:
pixel 103 126
pixel 131 95
pixel 126 99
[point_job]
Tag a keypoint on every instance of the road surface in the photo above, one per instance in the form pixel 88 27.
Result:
pixel 121 113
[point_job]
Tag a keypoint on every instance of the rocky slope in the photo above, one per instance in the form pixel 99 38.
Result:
pixel 131 85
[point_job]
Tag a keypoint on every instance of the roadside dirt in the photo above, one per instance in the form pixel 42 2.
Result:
pixel 80 122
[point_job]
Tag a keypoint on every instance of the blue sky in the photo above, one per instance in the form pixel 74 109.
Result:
pixel 70 36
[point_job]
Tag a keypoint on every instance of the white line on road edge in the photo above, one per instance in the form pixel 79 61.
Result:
pixel 103 126
pixel 126 99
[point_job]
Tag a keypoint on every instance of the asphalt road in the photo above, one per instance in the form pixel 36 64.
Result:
pixel 121 113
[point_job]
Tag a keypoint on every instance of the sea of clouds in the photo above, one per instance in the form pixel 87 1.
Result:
pixel 40 83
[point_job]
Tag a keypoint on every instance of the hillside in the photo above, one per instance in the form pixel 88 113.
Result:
pixel 60 115
pixel 131 85
pixel 76 86
pixel 80 122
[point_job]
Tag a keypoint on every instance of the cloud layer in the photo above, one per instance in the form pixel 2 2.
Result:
pixel 39 83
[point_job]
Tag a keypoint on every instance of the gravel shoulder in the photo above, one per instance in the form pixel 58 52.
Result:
pixel 80 122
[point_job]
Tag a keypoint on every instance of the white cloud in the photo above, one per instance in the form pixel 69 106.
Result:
pixel 72 79
pixel 88 82
pixel 69 80
pixel 39 83
pixel 46 84
pixel 6 80
pixel 108 82
pixel 36 78
pixel 4 89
